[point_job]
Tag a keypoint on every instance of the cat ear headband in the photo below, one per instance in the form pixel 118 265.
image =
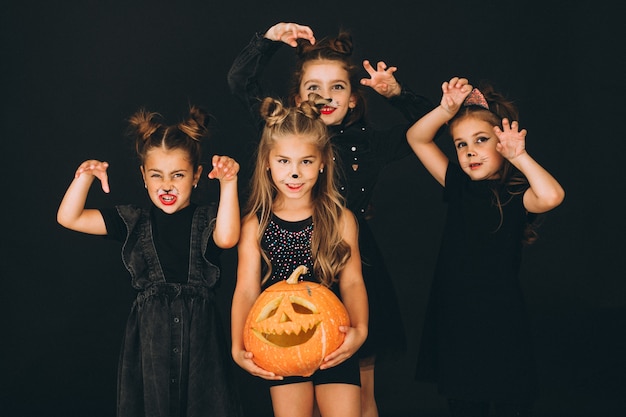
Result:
pixel 476 98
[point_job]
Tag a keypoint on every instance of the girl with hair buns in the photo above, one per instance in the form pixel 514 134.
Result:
pixel 326 67
pixel 295 216
pixel 174 359
pixel 476 340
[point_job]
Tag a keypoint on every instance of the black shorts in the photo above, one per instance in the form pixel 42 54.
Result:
pixel 347 372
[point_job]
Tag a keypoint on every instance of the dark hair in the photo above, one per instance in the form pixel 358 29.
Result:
pixel 331 49
pixel 150 131
pixel 511 179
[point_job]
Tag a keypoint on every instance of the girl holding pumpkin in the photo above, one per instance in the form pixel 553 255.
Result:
pixel 476 341
pixel 326 67
pixel 174 358
pixel 295 216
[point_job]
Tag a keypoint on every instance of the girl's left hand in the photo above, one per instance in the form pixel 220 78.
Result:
pixel 381 79
pixel 225 168
pixel 512 141
pixel 350 345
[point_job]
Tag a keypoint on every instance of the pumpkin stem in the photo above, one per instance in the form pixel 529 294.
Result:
pixel 293 278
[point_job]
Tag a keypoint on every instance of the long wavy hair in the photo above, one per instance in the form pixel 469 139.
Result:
pixel 338 49
pixel 329 251
pixel 511 180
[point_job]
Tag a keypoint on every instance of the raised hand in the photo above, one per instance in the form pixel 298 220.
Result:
pixel 225 168
pixel 289 33
pixel 97 169
pixel 381 79
pixel 454 93
pixel 512 141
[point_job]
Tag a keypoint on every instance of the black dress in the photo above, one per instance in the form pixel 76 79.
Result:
pixel 174 359
pixel 476 341
pixel 362 153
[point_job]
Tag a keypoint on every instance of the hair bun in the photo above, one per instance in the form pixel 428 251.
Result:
pixel 195 125
pixel 340 45
pixel 273 111
pixel 313 106
pixel 144 123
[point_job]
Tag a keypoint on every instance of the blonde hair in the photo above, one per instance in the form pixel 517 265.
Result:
pixel 329 251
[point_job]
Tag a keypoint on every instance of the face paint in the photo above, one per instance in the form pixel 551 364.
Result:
pixel 168 197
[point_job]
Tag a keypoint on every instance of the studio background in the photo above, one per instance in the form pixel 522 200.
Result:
pixel 74 71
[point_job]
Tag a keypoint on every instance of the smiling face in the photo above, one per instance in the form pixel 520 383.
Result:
pixel 169 178
pixel 475 143
pixel 330 80
pixel 294 164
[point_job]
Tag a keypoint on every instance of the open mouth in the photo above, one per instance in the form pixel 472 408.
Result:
pixel 327 110
pixel 167 199
pixel 286 339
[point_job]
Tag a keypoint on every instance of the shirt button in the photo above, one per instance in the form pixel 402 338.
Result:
pixel 353 148
pixel 176 320
pixel 363 189
pixel 175 350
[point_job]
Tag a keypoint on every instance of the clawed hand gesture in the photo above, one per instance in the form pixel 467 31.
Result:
pixel 224 168
pixel 96 168
pixel 512 141
pixel 454 93
pixel 289 33
pixel 381 79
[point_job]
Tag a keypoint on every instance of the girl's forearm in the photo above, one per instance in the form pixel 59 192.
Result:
pixel 546 191
pixel 425 129
pixel 228 220
pixel 73 202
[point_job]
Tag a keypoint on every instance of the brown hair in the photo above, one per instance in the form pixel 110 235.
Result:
pixel 511 179
pixel 150 131
pixel 337 49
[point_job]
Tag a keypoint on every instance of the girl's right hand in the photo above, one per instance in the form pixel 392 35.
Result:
pixel 454 93
pixel 289 33
pixel 97 169
pixel 243 358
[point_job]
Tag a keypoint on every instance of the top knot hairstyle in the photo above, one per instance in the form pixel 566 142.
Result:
pixel 330 252
pixel 275 113
pixel 338 49
pixel 150 131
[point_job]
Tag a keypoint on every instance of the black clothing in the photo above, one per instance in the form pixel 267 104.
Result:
pixel 476 340
pixel 288 245
pixel 362 153
pixel 174 359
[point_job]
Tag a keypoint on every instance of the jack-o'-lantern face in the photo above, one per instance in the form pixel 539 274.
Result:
pixel 293 325
pixel 287 321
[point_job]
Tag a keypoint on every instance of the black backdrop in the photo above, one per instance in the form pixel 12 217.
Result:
pixel 73 71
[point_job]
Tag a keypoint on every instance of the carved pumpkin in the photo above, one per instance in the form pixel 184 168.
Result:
pixel 293 325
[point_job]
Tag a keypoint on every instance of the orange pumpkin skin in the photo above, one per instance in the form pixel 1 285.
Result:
pixel 293 325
